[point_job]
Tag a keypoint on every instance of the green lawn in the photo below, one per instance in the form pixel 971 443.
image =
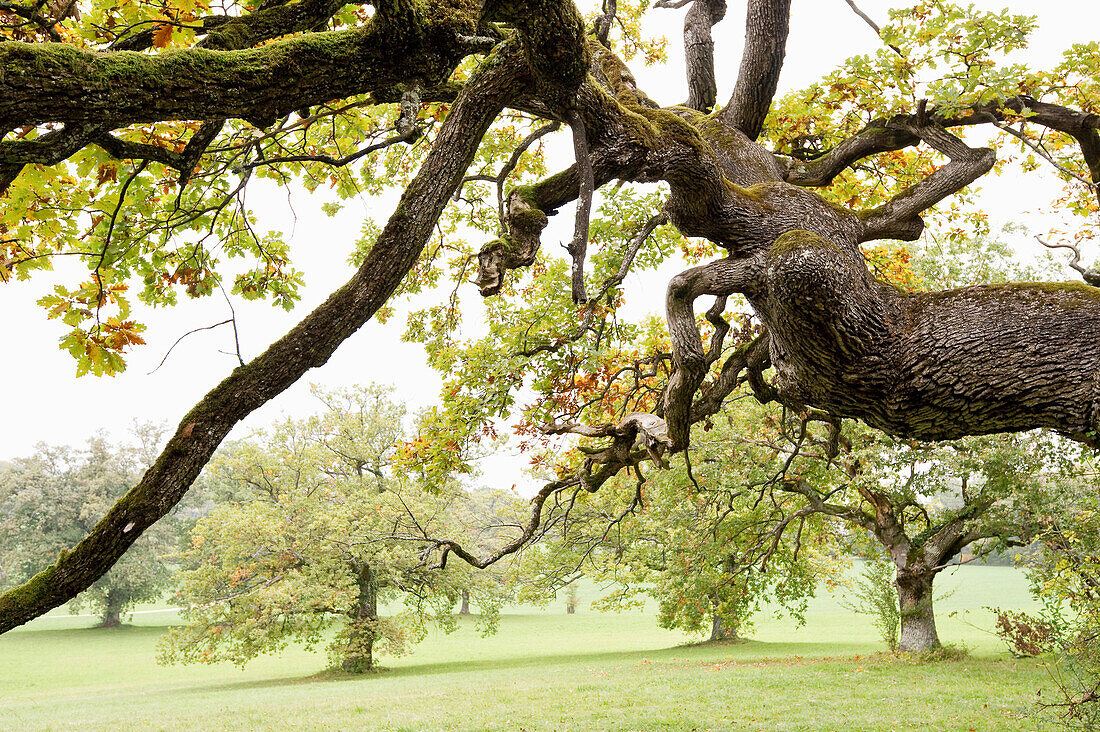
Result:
pixel 544 670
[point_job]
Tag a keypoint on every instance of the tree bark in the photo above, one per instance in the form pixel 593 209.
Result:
pixel 464 609
pixel 359 651
pixel 918 620
pixel 766 28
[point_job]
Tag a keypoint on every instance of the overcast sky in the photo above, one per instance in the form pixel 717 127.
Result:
pixel 44 402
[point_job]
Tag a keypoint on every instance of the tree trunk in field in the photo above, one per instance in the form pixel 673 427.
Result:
pixel 720 631
pixel 571 601
pixel 111 618
pixel 112 612
pixel 918 621
pixel 465 608
pixel 359 651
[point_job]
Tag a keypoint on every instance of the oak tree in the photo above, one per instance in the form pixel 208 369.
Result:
pixel 52 499
pixel 172 107
pixel 698 539
pixel 319 534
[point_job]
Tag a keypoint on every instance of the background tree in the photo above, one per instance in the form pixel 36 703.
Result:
pixel 698 541
pixel 175 108
pixel 923 504
pixel 321 533
pixel 52 499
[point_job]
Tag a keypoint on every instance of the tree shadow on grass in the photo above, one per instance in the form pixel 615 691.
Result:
pixel 440 668
pixel 705 654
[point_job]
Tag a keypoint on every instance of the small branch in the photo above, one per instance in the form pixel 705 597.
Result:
pixel 721 327
pixel 197 146
pixel 578 248
pixel 1090 276
pixel 31 14
pixel 110 233
pixel 233 319
pixel 605 20
pixel 874 26
pixel 589 314
pixel 410 107
pixel 1045 155
pixel 337 162
pixel 513 161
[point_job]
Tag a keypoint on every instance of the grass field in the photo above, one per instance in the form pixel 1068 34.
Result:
pixel 545 670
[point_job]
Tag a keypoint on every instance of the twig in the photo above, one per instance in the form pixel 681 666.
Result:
pixel 1045 155
pixel 107 239
pixel 233 319
pixel 873 24
pixel 191 332
pixel 337 162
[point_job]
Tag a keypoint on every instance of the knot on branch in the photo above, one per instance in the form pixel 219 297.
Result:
pixel 637 436
pixel 515 249
pixel 649 432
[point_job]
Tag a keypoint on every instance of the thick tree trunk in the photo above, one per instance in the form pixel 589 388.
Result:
pixel 465 607
pixel 720 631
pixel 111 618
pixel 918 621
pixel 112 612
pixel 359 651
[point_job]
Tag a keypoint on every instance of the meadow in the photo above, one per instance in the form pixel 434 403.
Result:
pixel 546 670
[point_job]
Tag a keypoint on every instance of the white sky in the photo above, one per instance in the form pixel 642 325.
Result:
pixel 44 402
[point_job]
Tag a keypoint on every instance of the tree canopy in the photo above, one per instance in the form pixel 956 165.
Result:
pixel 317 531
pixel 799 203
pixel 52 499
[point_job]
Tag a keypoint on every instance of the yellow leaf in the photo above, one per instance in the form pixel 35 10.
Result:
pixel 162 35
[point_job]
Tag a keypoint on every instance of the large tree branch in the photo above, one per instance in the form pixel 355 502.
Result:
pixel 552 32
pixel 699 52
pixel 897 133
pixel 43 83
pixel 899 218
pixel 766 29
pixel 229 33
pixel 931 366
pixel 225 33
pixel 307 345
pixel 720 278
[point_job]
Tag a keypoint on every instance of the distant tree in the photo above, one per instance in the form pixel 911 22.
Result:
pixel 54 497
pixel 696 541
pixel 488 513
pixel 321 533
pixel 922 504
